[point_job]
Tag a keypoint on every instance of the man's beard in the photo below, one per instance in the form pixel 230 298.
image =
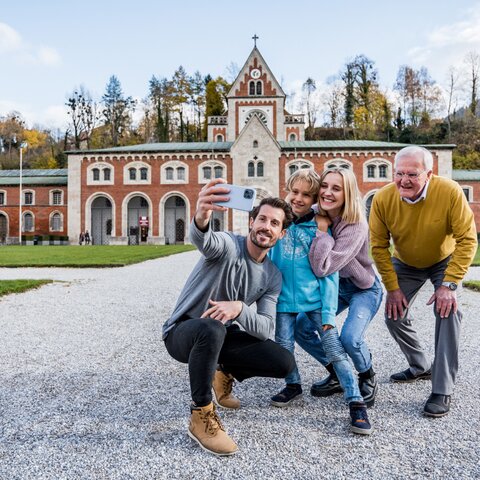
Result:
pixel 253 238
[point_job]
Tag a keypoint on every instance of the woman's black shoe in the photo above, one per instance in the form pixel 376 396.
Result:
pixel 326 387
pixel 368 388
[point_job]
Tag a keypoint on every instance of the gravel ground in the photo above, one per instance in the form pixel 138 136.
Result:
pixel 87 390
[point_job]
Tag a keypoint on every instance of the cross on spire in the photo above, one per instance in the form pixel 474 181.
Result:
pixel 255 38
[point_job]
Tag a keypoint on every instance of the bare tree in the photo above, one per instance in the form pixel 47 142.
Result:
pixel 473 64
pixel 453 86
pixel 333 98
pixel 83 112
pixel 409 88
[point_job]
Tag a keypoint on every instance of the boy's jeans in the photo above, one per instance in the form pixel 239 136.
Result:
pixel 326 349
pixel 362 306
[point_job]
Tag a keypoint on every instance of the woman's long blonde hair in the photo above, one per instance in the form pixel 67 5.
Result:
pixel 353 210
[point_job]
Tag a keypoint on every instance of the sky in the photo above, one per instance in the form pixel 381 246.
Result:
pixel 49 48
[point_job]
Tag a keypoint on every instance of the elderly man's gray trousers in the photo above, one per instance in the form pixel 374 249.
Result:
pixel 447 330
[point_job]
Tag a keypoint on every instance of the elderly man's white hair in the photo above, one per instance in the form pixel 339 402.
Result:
pixel 415 151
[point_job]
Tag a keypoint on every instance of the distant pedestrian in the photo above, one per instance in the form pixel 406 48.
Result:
pixel 81 238
pixel 87 238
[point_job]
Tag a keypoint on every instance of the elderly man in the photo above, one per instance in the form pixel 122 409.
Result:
pixel 225 314
pixel 434 238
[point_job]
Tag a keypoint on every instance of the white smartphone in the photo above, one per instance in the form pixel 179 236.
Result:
pixel 241 198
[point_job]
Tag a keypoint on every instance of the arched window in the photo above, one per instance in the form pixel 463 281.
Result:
pixel 132 173
pixel 259 87
pixel 252 88
pixel 169 173
pixel 56 222
pixel 27 223
pixel 295 165
pixel 251 169
pixel 218 171
pixel 180 173
pixel 207 173
pixel 255 144
pixel 144 173
pixel 292 137
pixel 260 169
pixel 219 138
pixel 338 164
pixel 106 174
pixel 96 174
pixel 377 170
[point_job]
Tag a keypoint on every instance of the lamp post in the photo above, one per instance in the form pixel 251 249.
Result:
pixel 22 146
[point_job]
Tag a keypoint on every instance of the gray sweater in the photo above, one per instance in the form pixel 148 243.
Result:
pixel 226 272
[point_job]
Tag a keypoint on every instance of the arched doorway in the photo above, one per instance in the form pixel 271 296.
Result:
pixel 368 204
pixel 101 221
pixel 3 229
pixel 175 220
pixel 138 221
pixel 217 221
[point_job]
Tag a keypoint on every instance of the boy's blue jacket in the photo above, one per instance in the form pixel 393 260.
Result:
pixel 302 291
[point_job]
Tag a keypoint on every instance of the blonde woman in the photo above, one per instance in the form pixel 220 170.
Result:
pixel 346 251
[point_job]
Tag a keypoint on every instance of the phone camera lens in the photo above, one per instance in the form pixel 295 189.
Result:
pixel 248 194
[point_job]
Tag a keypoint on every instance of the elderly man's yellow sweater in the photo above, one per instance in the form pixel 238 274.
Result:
pixel 423 233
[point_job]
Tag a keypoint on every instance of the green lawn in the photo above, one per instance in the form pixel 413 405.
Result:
pixel 84 256
pixel 476 260
pixel 472 285
pixel 18 286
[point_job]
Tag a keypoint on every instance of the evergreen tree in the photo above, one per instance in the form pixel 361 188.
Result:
pixel 117 110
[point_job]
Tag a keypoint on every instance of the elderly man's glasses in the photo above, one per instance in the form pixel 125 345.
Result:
pixel 410 176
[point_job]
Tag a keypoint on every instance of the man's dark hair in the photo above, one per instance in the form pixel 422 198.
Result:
pixel 275 202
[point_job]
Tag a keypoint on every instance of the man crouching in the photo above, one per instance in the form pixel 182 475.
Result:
pixel 213 327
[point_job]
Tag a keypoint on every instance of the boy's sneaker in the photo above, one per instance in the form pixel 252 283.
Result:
pixel 359 423
pixel 292 392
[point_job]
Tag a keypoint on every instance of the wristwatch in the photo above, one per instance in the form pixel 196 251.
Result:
pixel 451 285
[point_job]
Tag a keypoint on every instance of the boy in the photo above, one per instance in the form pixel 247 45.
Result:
pixel 302 291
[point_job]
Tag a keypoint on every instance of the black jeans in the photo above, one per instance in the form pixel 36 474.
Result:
pixel 204 343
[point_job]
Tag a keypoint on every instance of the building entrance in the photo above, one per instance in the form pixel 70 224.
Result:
pixel 137 209
pixel 101 221
pixel 175 220
pixel 3 229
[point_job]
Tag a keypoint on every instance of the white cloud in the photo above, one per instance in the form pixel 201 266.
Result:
pixel 48 56
pixel 53 116
pixel 10 40
pixel 448 44
pixel 13 46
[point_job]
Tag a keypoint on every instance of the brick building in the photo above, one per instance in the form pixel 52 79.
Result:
pixel 147 193
pixel 43 206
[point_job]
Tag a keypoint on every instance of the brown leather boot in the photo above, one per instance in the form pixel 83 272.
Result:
pixel 222 390
pixel 207 430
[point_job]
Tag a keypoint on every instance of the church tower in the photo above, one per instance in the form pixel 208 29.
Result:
pixel 256 92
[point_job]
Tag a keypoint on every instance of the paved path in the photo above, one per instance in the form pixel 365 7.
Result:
pixel 87 390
